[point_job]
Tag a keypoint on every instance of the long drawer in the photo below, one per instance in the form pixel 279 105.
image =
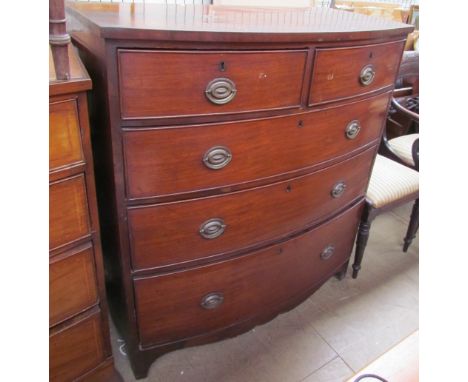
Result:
pixel 156 84
pixel 68 211
pixel 171 233
pixel 346 72
pixel 218 155
pixel 72 283
pixel 64 134
pixel 76 349
pixel 197 301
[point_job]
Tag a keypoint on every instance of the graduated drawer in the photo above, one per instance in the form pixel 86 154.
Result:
pixel 168 161
pixel 72 284
pixel 346 72
pixel 68 211
pixel 188 303
pixel 76 349
pixel 155 84
pixel 64 134
pixel 176 232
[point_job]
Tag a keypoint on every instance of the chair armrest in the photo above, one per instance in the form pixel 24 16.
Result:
pixel 404 110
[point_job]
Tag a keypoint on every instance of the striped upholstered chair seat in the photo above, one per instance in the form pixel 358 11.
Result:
pixel 390 181
pixel 402 146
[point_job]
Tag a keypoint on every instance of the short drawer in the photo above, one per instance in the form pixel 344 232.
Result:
pixel 76 349
pixel 155 84
pixel 72 284
pixel 346 72
pixel 64 134
pixel 171 233
pixel 197 301
pixel 168 161
pixel 68 211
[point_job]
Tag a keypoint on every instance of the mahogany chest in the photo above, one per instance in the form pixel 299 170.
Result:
pixel 233 150
pixel 79 347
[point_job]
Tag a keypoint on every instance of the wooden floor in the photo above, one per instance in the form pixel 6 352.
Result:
pixel 330 337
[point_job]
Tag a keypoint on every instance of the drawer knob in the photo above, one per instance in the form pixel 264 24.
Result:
pixel 338 189
pixel 353 129
pixel 212 228
pixel 212 300
pixel 220 91
pixel 367 75
pixel 217 157
pixel 327 252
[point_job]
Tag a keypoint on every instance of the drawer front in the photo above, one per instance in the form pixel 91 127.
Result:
pixel 76 349
pixel 72 284
pixel 171 233
pixel 175 160
pixel 68 211
pixel 181 83
pixel 346 72
pixel 197 301
pixel 64 134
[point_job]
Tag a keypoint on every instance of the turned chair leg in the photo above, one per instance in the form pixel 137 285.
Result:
pixel 361 241
pixel 412 227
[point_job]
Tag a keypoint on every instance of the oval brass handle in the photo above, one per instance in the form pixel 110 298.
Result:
pixel 220 91
pixel 353 129
pixel 338 189
pixel 327 252
pixel 217 157
pixel 212 228
pixel 367 75
pixel 212 300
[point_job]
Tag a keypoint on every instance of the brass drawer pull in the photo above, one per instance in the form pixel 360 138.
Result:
pixel 338 189
pixel 220 91
pixel 217 157
pixel 212 300
pixel 353 129
pixel 212 228
pixel 367 75
pixel 327 252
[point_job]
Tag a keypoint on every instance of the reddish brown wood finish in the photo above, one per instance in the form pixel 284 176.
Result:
pixel 260 148
pixel 72 284
pixel 136 154
pixel 337 71
pixel 163 84
pixel 168 233
pixel 76 349
pixel 168 306
pixel 68 211
pixel 79 334
pixel 64 134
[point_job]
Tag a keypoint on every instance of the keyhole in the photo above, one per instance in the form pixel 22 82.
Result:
pixel 288 188
pixel 280 251
pixel 222 66
pixel 300 123
pixel 371 55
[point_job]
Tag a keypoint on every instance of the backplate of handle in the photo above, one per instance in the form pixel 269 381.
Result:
pixel 338 189
pixel 212 300
pixel 217 157
pixel 367 75
pixel 352 129
pixel 220 91
pixel 212 228
pixel 327 252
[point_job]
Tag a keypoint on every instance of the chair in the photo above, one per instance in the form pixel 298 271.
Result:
pixel 399 149
pixel 391 185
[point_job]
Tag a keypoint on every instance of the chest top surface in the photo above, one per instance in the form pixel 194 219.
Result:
pixel 224 24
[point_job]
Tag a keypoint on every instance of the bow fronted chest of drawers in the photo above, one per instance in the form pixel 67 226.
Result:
pixel 233 151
